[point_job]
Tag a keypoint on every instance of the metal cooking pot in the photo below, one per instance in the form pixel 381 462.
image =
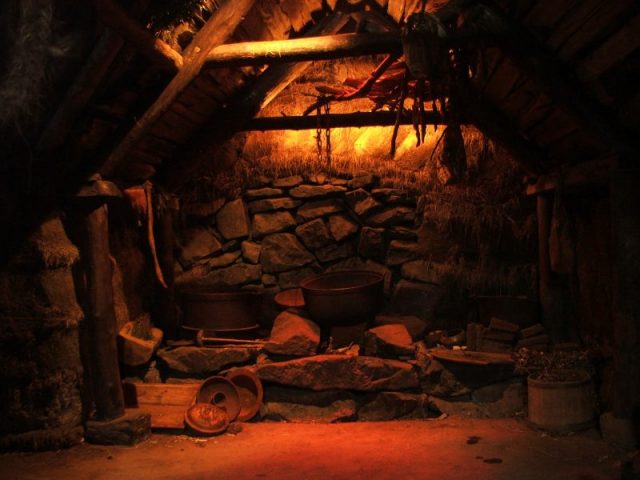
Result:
pixel 343 298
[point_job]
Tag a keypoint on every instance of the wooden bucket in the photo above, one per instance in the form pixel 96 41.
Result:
pixel 561 406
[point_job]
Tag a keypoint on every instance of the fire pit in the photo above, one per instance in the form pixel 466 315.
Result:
pixel 343 298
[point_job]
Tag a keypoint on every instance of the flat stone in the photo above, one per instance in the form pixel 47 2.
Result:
pixel 288 182
pixel 232 221
pixel 361 202
pixel 299 406
pixel 418 299
pixel 320 208
pixel 232 276
pixel 394 196
pixel 206 209
pixel 203 360
pixel 251 251
pixel 341 372
pixel 416 327
pixel 273 204
pixel 371 243
pixel 273 222
pixel 509 403
pixel 282 252
pixel 441 382
pixel 292 278
pixel 394 406
pixel 366 180
pixel 200 243
pixel 342 227
pixel 223 260
pixel 314 234
pixel 388 341
pixel 266 192
pixel 392 217
pixel 401 251
pixel 129 429
pixel 335 252
pixel 293 334
pixel 341 182
pixel 316 191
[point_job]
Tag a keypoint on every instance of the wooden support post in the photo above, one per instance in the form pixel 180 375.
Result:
pixel 544 205
pixel 101 317
pixel 166 313
pixel 625 224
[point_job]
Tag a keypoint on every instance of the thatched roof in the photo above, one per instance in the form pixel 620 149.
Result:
pixel 565 86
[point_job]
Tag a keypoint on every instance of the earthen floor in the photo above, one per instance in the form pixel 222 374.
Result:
pixel 452 448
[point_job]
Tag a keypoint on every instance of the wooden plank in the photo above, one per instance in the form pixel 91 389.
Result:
pixel 324 47
pixel 217 29
pixel 481 359
pixel 616 48
pixel 555 126
pixel 176 394
pixel 163 417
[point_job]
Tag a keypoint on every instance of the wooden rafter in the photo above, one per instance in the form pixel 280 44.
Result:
pixel 156 50
pixel 217 30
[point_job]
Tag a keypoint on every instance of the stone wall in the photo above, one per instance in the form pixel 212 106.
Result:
pixel 435 249
pixel 41 372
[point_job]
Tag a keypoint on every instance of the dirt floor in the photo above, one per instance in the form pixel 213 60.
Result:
pixel 452 448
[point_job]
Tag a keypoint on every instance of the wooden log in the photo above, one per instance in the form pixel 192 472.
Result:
pixel 303 49
pixel 156 50
pixel 545 291
pixel 336 120
pixel 625 225
pixel 216 31
pixel 216 132
pixel 101 317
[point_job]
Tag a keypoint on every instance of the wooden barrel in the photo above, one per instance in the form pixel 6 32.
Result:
pixel 561 406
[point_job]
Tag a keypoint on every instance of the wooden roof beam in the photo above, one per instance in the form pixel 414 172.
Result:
pixel 336 120
pixel 216 31
pixel 326 47
pixel 159 52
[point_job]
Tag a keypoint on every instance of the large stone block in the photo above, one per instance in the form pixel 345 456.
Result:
pixel 129 429
pixel 293 334
pixel 335 252
pixel 232 220
pixel 388 341
pixel 282 252
pixel 232 276
pixel 288 182
pixel 341 372
pixel 416 327
pixel 392 217
pixel 401 251
pixel 204 361
pixel 342 227
pixel 314 234
pixel 273 222
pixel 199 243
pixel 361 202
pixel 265 192
pixel 371 242
pixel 301 406
pixel 320 208
pixel 272 204
pixel 251 251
